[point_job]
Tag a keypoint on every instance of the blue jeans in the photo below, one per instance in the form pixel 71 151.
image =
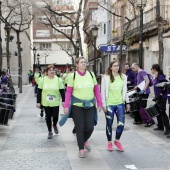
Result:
pixel 119 110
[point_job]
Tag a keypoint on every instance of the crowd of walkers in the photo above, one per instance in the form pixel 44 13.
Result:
pixel 81 96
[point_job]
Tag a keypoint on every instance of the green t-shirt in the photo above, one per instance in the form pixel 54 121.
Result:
pixel 50 91
pixel 115 96
pixel 36 77
pixel 83 86
pixel 66 78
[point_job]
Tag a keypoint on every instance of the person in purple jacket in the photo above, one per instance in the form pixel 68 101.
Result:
pixel 4 78
pixel 130 76
pixel 143 94
pixel 167 87
pixel 160 98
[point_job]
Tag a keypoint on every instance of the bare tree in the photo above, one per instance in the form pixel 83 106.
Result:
pixel 71 19
pixel 5 15
pixel 70 52
pixel 22 17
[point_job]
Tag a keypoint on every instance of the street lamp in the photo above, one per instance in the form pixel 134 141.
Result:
pixel 46 55
pixel 77 45
pixel 34 52
pixel 141 4
pixel 38 58
pixel 95 34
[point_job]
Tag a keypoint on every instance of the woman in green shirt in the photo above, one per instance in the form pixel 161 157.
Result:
pixel 114 95
pixel 49 90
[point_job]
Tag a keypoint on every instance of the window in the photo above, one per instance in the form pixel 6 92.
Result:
pixel 42 19
pixel 45 46
pixel 64 30
pixel 104 29
pixel 42 33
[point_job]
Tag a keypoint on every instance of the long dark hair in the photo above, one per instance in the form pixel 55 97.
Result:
pixel 109 71
pixel 158 69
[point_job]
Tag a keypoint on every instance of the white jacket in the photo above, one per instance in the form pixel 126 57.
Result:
pixel 105 89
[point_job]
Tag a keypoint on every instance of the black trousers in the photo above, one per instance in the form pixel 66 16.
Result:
pixel 84 124
pixel 162 118
pixel 141 103
pixel 51 112
pixel 169 111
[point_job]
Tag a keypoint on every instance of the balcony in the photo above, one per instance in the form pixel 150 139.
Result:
pixel 149 24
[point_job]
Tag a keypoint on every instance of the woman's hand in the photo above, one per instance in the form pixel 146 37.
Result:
pixel 128 107
pixel 104 109
pixel 66 110
pixel 38 105
pixel 63 104
pixel 99 108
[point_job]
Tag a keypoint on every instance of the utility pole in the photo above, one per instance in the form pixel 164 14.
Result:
pixel 160 33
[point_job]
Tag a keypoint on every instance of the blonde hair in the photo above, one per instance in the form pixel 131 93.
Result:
pixel 78 59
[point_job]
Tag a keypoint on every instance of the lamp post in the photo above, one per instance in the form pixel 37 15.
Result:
pixel 95 34
pixel 46 55
pixel 141 4
pixel 34 52
pixel 38 61
pixel 77 45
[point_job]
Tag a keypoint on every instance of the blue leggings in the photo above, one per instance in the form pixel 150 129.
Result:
pixel 119 110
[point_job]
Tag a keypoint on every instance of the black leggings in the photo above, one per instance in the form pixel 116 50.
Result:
pixel 169 111
pixel 162 118
pixel 84 124
pixel 51 112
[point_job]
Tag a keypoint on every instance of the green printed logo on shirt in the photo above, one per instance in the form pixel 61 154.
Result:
pixel 82 86
pixel 115 95
pixel 50 91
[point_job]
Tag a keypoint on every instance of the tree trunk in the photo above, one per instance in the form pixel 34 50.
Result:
pixel 7 50
pixel 19 61
pixel 0 48
pixel 161 47
pixel 160 34
pixel 120 52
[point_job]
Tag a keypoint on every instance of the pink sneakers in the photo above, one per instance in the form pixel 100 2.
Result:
pixel 87 146
pixel 110 147
pixel 81 153
pixel 119 146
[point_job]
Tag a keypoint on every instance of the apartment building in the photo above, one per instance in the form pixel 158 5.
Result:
pixel 150 31
pixel 97 16
pixel 52 45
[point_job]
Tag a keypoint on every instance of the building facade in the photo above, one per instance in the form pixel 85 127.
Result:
pixel 150 31
pixel 97 16
pixel 52 45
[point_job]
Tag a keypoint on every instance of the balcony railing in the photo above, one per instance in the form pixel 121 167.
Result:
pixel 149 22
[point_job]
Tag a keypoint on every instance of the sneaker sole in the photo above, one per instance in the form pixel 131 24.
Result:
pixel 81 156
pixel 109 150
pixel 119 149
pixel 49 137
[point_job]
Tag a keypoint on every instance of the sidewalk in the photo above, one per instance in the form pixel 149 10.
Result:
pixel 24 144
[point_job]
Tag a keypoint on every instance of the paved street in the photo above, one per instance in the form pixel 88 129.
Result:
pixel 24 144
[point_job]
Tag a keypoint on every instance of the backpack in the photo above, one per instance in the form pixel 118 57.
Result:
pixel 150 80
